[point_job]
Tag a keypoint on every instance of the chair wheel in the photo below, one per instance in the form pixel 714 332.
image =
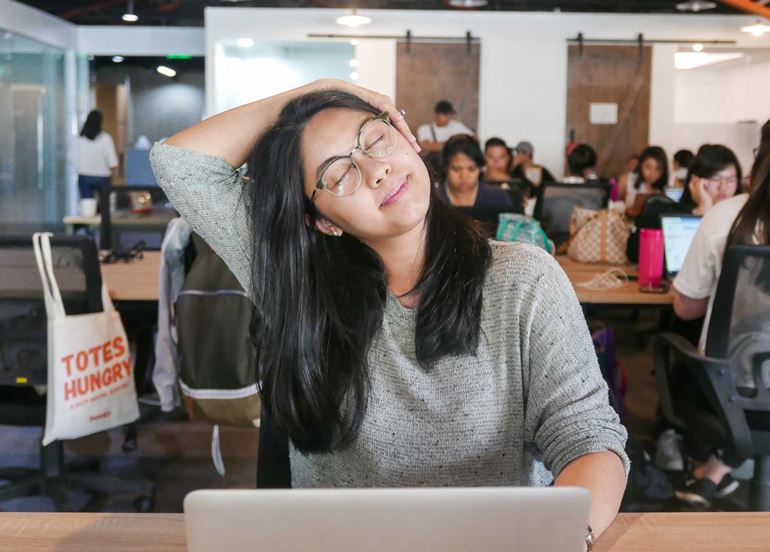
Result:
pixel 144 504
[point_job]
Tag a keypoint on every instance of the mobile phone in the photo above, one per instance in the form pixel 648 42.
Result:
pixel 662 288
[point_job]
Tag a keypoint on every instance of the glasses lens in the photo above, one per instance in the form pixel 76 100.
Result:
pixel 342 177
pixel 378 138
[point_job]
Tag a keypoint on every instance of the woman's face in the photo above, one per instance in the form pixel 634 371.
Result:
pixel 394 193
pixel 462 174
pixel 497 158
pixel 722 185
pixel 651 171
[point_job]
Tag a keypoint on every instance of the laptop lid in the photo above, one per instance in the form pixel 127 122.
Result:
pixel 675 194
pixel 482 519
pixel 678 233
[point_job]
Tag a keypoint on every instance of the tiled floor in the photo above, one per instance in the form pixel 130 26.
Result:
pixel 177 454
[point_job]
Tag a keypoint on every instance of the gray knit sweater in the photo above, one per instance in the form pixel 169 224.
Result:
pixel 530 401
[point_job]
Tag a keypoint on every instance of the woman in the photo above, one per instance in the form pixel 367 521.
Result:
pixel 681 163
pixel 497 156
pixel 715 175
pixel 97 158
pixel 397 346
pixel 743 219
pixel 463 162
pixel 650 177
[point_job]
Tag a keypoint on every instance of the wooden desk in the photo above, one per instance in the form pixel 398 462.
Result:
pixel 626 294
pixel 37 532
pixel 135 280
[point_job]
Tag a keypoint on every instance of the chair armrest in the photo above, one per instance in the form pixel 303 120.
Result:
pixel 713 376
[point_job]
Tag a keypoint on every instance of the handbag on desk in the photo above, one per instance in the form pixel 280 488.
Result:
pixel 90 374
pixel 598 236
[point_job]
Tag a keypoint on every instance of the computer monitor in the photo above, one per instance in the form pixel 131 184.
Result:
pixel 484 519
pixel 678 233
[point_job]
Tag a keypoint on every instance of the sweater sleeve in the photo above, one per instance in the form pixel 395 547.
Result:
pixel 568 411
pixel 209 194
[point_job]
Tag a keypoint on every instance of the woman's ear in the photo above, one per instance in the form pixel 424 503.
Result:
pixel 326 227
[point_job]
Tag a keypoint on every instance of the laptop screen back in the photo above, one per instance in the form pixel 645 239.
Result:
pixel 678 233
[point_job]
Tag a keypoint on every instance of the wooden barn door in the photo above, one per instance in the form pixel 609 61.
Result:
pixel 429 72
pixel 608 101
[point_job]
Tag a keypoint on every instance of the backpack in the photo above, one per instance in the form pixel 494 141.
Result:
pixel 218 368
pixel 521 228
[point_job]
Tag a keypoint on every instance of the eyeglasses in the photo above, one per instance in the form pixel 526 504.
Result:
pixel 341 175
pixel 717 182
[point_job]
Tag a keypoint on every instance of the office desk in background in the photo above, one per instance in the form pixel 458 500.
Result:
pixel 137 280
pixel 87 532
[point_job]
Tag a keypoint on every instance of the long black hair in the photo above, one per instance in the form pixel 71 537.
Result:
pixel 753 221
pixel 321 300
pixel 658 154
pixel 93 125
pixel 710 161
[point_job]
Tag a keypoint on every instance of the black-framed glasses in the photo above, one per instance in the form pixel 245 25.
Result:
pixel 341 175
pixel 135 252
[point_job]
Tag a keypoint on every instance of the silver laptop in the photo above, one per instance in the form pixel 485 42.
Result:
pixel 678 233
pixel 480 519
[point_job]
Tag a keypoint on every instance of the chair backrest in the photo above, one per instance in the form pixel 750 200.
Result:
pixel 556 201
pixel 131 214
pixel 23 323
pixel 739 328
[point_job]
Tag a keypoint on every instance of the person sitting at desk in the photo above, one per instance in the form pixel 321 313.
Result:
pixel 680 166
pixel 715 175
pixel 524 166
pixel 497 156
pixel 581 163
pixel 650 178
pixel 743 219
pixel 397 346
pixel 463 162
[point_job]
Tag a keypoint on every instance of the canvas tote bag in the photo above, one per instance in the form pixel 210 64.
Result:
pixel 90 375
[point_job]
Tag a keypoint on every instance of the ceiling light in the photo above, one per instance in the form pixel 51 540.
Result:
pixel 354 76
pixel 697 47
pixel 167 71
pixel 757 28
pixel 354 42
pixel 117 59
pixel 130 16
pixel 468 4
pixel 696 6
pixel 353 20
pixel 244 43
pixel 353 63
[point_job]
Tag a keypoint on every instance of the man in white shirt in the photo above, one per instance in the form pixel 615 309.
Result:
pixel 433 135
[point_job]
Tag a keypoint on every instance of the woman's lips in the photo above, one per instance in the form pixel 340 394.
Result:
pixel 401 190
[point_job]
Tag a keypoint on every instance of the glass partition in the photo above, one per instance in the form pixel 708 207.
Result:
pixel 33 131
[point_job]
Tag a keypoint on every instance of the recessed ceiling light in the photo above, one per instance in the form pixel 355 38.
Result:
pixel 757 28
pixel 354 76
pixel 696 6
pixel 167 71
pixel 244 42
pixel 353 20
pixel 697 47
pixel 468 4
pixel 130 16
pixel 117 59
pixel 353 63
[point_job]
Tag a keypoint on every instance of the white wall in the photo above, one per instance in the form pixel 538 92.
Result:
pixel 523 73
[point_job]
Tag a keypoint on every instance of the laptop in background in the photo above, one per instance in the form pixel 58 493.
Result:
pixel 675 194
pixel 483 519
pixel 678 232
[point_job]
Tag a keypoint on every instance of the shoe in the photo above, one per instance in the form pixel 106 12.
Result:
pixel 727 486
pixel 697 492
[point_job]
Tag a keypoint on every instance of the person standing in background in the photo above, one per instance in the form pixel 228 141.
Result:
pixel 526 168
pixel 97 159
pixel 432 136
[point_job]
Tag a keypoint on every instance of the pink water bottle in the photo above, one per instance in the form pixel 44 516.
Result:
pixel 650 257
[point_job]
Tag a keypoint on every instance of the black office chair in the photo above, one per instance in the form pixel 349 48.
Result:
pixel 734 374
pixel 556 201
pixel 23 365
pixel 141 213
